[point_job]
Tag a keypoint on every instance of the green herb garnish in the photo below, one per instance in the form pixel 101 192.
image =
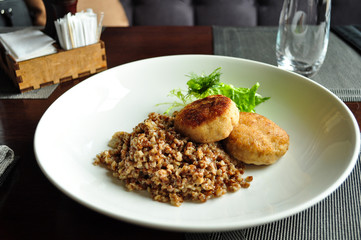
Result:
pixel 201 86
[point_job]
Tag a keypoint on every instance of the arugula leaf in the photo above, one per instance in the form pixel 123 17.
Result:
pixel 202 86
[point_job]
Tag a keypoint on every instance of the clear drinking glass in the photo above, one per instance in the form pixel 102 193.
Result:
pixel 303 34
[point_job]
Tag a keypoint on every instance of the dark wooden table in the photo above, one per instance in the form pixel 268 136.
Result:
pixel 30 206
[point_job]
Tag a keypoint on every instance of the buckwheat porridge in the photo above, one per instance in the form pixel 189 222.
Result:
pixel 156 158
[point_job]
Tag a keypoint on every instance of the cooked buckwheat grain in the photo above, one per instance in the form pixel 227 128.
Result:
pixel 156 158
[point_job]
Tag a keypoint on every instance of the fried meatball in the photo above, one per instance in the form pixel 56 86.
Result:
pixel 206 120
pixel 256 140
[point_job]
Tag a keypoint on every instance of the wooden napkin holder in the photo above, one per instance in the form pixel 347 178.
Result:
pixel 54 68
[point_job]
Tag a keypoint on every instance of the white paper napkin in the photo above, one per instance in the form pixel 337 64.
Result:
pixel 78 30
pixel 27 43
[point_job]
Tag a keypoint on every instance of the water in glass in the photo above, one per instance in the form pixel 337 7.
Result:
pixel 303 35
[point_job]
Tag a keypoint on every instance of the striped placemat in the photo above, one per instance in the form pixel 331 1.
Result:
pixel 41 93
pixel 337 217
pixel 351 34
pixel 340 73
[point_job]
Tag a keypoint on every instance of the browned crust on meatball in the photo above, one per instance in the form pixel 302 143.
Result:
pixel 257 140
pixel 207 120
pixel 204 110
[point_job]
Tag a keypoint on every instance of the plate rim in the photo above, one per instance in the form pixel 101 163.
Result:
pixel 275 217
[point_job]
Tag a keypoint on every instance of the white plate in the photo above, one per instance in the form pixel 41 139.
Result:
pixel 324 142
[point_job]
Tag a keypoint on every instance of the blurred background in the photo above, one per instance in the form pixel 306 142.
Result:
pixel 244 13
